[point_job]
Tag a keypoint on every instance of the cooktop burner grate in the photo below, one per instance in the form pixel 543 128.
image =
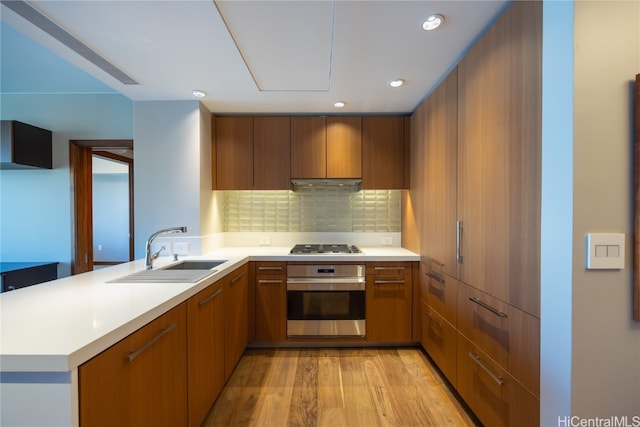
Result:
pixel 304 249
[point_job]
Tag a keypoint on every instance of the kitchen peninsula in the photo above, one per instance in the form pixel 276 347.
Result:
pixel 48 331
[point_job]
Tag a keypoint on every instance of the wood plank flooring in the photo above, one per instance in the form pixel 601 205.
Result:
pixel 336 387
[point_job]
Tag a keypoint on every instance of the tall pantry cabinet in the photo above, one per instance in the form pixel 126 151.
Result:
pixel 478 206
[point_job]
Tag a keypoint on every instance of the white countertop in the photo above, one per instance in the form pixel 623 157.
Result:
pixel 58 325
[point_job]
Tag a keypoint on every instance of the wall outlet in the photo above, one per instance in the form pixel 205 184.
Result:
pixel 265 240
pixel 181 248
pixel 387 241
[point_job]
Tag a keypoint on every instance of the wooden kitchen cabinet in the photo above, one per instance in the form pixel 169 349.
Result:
pixel 499 164
pixel 141 380
pixel 205 350
pixel 271 148
pixel 326 147
pixel 389 302
pixel 383 152
pixel 439 339
pixel 271 304
pixel 236 317
pixel 233 153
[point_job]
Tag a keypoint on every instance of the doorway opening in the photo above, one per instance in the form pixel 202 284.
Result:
pixel 81 155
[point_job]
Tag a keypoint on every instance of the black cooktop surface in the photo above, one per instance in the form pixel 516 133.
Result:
pixel 325 248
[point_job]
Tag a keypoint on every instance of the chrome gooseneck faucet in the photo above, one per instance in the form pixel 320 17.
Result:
pixel 151 257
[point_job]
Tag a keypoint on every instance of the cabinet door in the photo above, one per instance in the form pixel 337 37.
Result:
pixel 141 380
pixel 236 317
pixel 205 350
pixel 389 302
pixel 308 147
pixel 499 99
pixel 234 153
pixel 344 147
pixel 271 304
pixel 271 153
pixel 383 152
pixel 439 166
pixel 439 340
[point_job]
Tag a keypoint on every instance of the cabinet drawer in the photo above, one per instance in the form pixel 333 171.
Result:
pixel 270 267
pixel 439 340
pixel 389 268
pixel 442 294
pixel 493 395
pixel 508 335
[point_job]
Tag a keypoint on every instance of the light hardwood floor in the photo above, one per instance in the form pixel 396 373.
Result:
pixel 336 387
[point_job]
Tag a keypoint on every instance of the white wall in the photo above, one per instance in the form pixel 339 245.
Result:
pixel 167 172
pixel 35 205
pixel 606 341
pixel 110 217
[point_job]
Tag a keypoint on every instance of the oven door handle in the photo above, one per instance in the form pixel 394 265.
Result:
pixel 325 285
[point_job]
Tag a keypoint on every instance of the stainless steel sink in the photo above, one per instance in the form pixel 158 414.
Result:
pixel 194 264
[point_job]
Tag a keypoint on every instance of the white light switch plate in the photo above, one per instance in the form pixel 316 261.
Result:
pixel 605 251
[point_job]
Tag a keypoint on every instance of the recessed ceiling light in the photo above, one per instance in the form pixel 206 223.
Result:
pixel 396 83
pixel 432 22
pixel 339 104
pixel 199 93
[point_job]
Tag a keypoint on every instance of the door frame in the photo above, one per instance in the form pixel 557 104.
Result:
pixel 80 168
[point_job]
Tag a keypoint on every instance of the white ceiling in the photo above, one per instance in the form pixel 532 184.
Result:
pixel 266 56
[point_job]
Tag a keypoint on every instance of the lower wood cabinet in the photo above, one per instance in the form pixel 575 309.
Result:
pixel 491 392
pixel 236 317
pixel 389 297
pixel 271 301
pixel 439 338
pixel 205 350
pixel 141 380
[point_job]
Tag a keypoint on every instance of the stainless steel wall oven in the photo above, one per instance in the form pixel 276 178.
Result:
pixel 326 300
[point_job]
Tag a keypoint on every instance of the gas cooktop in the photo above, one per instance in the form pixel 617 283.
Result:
pixel 313 249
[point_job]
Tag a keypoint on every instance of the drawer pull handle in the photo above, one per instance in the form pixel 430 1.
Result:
pixel 434 320
pixel 265 281
pixel 388 268
pixel 435 276
pixel 209 298
pixel 497 378
pixel 235 279
pixel 388 282
pixel 488 307
pixel 263 268
pixel 135 353
pixel 435 261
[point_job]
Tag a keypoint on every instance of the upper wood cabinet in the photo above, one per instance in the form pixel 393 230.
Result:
pixel 383 152
pixel 233 152
pixel 326 147
pixel 251 153
pixel 271 147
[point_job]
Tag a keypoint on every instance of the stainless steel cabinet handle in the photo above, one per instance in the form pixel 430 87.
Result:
pixel 265 281
pixel 434 320
pixel 497 378
pixel 488 307
pixel 436 277
pixel 135 353
pixel 262 268
pixel 459 242
pixel 235 279
pixel 438 263
pixel 388 268
pixel 210 297
pixel 388 282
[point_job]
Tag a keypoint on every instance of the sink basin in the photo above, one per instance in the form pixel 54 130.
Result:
pixel 194 264
pixel 164 276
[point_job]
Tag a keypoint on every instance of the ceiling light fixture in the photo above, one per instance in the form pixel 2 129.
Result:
pixel 199 93
pixel 339 104
pixel 432 22
pixel 396 82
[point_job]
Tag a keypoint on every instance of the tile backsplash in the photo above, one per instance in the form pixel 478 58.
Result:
pixel 317 209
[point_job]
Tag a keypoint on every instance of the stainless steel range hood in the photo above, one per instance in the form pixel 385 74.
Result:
pixel 352 184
